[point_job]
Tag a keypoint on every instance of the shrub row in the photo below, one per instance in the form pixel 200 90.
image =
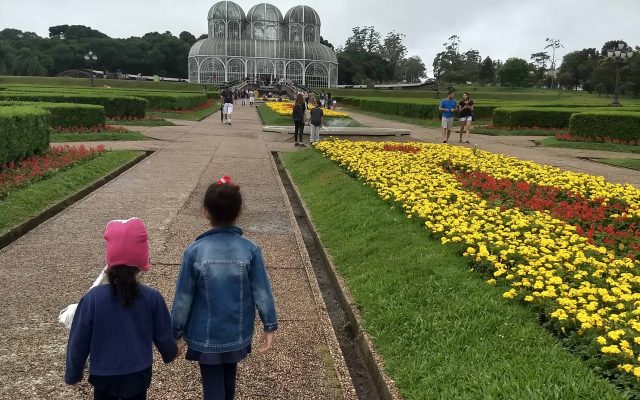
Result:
pixel 114 106
pixel 67 115
pixel 156 99
pixel 410 109
pixel 602 125
pixel 543 117
pixel 24 131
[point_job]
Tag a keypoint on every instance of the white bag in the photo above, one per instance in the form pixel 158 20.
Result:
pixel 66 315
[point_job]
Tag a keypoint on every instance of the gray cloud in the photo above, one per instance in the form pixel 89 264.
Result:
pixel 497 28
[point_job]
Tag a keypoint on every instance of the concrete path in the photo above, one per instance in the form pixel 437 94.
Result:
pixel 54 264
pixel 524 148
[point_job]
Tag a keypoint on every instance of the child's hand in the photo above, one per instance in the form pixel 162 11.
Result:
pixel 181 348
pixel 267 342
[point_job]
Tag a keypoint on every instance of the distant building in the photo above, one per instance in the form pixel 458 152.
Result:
pixel 264 46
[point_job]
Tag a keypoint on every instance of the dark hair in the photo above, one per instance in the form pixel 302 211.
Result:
pixel 124 284
pixel 299 99
pixel 318 103
pixel 223 203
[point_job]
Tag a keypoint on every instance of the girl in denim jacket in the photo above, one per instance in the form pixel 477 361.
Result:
pixel 222 281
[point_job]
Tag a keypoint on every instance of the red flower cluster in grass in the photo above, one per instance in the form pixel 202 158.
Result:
pixel 21 173
pixel 604 223
pixel 201 107
pixel 402 147
pixel 130 118
pixel 91 129
pixel 600 139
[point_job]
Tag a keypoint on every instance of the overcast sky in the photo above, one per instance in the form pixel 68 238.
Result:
pixel 497 28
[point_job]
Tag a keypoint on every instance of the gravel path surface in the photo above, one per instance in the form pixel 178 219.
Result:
pixel 54 264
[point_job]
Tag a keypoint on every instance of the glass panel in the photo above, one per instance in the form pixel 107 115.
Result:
pixel 234 30
pixel 294 72
pixel 218 29
pixel 317 76
pixel 193 70
pixel 212 71
pixel 296 33
pixel 236 70
pixel 309 33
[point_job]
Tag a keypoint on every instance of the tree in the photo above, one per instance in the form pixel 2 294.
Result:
pixel 412 69
pixel 75 32
pixel 578 66
pixel 392 48
pixel 487 72
pixel 611 44
pixel 363 40
pixel 7 58
pixel 514 73
pixel 326 43
pixel 188 38
pixel 540 62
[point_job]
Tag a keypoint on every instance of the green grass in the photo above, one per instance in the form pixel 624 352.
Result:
pixel 442 332
pixel 114 83
pixel 23 204
pixel 97 137
pixel 514 132
pixel 427 123
pixel 141 122
pixel 631 163
pixel 188 116
pixel 271 118
pixel 564 144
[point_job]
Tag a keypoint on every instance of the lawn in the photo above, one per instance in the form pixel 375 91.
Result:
pixel 440 329
pixel 514 132
pixel 197 115
pixel 427 123
pixel 58 137
pixel 631 163
pixel 141 122
pixel 271 118
pixel 622 148
pixel 23 204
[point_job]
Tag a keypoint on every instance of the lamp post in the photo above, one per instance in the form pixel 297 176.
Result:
pixel 619 54
pixel 91 58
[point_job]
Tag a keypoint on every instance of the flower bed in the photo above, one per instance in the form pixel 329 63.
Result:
pixel 91 129
pixel 285 109
pixel 14 175
pixel 566 243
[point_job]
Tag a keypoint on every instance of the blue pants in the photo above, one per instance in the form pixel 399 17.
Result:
pixel 218 381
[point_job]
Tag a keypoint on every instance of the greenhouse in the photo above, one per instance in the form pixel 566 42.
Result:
pixel 263 46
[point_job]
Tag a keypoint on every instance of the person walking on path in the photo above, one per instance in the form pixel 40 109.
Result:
pixel 299 109
pixel 222 280
pixel 243 98
pixel 447 107
pixel 252 97
pixel 227 100
pixel 256 95
pixel 117 324
pixel 466 116
pixel 316 122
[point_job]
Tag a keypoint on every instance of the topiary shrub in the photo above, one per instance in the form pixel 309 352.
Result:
pixel 67 115
pixel 607 126
pixel 24 131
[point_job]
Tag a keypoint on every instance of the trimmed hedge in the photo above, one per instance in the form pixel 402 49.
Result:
pixel 410 109
pixel 24 131
pixel 603 125
pixel 67 115
pixel 156 99
pixel 542 117
pixel 114 106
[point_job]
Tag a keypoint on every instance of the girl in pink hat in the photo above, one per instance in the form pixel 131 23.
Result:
pixel 117 324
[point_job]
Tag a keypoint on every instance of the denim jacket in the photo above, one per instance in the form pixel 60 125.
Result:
pixel 222 281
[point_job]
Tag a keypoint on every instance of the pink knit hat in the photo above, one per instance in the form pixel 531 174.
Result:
pixel 127 244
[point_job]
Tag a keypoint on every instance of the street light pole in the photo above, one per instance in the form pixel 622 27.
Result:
pixel 91 58
pixel 619 54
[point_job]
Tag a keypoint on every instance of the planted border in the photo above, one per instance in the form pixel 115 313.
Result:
pixel 603 125
pixel 67 115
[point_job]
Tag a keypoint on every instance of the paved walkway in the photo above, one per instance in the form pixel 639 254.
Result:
pixel 54 264
pixel 524 148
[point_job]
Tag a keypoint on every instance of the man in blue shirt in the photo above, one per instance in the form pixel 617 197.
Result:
pixel 447 106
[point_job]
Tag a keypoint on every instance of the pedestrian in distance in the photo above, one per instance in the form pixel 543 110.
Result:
pixel 256 94
pixel 447 107
pixel 316 122
pixel 466 117
pixel 117 324
pixel 299 109
pixel 243 98
pixel 252 97
pixel 227 100
pixel 329 101
pixel 221 283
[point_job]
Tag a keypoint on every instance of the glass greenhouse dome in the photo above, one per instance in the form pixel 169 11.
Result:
pixel 264 46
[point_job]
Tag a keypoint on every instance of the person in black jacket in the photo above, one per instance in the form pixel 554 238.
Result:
pixel 298 118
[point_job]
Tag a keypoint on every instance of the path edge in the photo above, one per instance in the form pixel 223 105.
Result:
pixel 373 361
pixel 22 229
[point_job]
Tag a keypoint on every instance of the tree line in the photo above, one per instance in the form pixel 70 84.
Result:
pixel 26 53
pixel 587 69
